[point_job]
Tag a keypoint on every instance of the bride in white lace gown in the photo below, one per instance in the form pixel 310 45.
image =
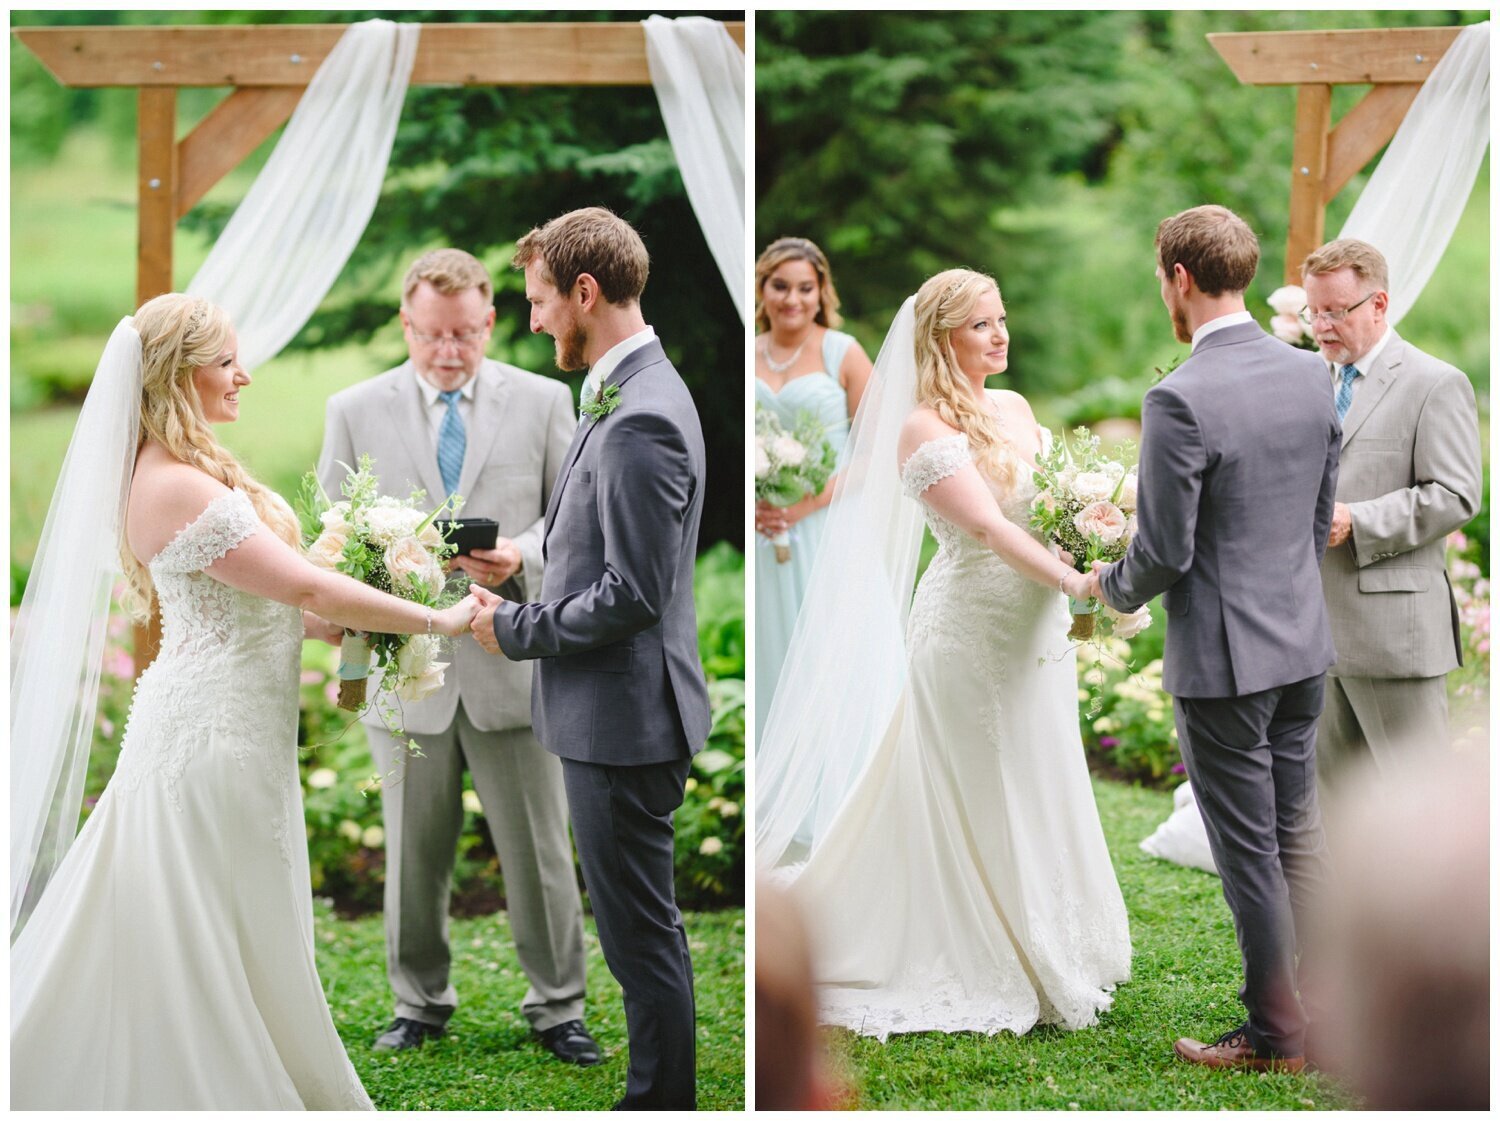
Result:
pixel 169 963
pixel 963 883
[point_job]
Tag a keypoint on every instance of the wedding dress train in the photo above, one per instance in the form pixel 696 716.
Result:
pixel 169 964
pixel 964 884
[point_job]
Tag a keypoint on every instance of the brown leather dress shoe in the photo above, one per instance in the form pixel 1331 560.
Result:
pixel 1233 1050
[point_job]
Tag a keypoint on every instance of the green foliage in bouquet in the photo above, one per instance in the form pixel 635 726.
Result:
pixel 1059 500
pixel 791 464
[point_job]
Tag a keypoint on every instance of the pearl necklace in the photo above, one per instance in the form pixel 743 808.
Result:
pixel 782 367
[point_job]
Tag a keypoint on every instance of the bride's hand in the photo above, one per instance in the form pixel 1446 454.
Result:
pixel 1078 586
pixel 455 620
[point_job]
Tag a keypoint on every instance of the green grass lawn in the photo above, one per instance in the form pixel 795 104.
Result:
pixel 1184 981
pixel 488 1058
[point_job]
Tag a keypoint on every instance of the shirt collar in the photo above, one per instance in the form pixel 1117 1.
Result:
pixel 430 392
pixel 617 354
pixel 1366 361
pixel 1233 319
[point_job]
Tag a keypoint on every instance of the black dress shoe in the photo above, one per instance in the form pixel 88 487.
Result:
pixel 571 1042
pixel 404 1034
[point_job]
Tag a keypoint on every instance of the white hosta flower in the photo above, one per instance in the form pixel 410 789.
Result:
pixel 322 778
pixel 373 837
pixel 350 830
pixel 711 846
pixel 729 809
pixel 762 461
pixel 787 450
pixel 1287 300
pixel 409 557
pixel 1104 519
pixel 328 550
pixel 1093 486
pixel 1287 328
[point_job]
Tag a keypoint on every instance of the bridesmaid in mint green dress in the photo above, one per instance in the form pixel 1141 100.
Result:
pixel 802 365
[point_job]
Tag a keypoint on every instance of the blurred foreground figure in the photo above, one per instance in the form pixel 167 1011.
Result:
pixel 789 1066
pixel 1404 934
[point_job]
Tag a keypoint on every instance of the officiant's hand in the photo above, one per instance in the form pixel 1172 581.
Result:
pixel 1342 527
pixel 482 626
pixel 491 567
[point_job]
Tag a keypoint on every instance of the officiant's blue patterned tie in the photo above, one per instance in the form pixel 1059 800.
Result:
pixel 451 442
pixel 1345 396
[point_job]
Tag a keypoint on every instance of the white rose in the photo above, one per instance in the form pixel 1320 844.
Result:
pixel 328 550
pixel 1288 300
pixel 1129 529
pixel 762 461
pixel 336 518
pixel 386 524
pixel 432 536
pixel 1115 471
pixel 1127 627
pixel 789 451
pixel 1287 328
pixel 1127 493
pixel 407 557
pixel 420 688
pixel 1104 519
pixel 417 656
pixel 1093 486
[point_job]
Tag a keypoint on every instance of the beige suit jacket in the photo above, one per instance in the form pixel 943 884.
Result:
pixel 517 436
pixel 1409 471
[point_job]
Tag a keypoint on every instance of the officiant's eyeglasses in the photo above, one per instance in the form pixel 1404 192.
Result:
pixel 463 340
pixel 1308 316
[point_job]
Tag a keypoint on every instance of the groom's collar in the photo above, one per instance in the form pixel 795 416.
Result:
pixel 1233 319
pixel 612 357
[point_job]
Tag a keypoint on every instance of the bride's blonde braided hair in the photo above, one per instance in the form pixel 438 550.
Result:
pixel 944 303
pixel 179 334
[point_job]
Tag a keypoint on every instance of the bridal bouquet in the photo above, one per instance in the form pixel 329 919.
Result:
pixel 1086 503
pixel 391 545
pixel 789 466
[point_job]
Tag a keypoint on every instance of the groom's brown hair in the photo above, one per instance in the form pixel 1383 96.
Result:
pixel 1213 244
pixel 594 241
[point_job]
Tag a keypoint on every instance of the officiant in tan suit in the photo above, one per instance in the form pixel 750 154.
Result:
pixel 1409 475
pixel 447 421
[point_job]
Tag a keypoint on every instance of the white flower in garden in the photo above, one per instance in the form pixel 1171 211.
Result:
pixel 471 802
pixel 407 557
pixel 729 809
pixel 711 846
pixel 690 785
pixel 1127 493
pixel 322 778
pixel 1287 300
pixel 787 450
pixel 373 837
pixel 350 830
pixel 762 460
pixel 328 550
pixel 1092 486
pixel 1104 519
pixel 1287 328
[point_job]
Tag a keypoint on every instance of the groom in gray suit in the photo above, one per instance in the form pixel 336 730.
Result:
pixel 1239 458
pixel 1409 475
pixel 620 694
pixel 450 421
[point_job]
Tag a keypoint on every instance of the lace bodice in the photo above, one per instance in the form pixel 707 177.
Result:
pixel 225 678
pixel 935 461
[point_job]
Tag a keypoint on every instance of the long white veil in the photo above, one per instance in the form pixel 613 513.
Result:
pixel 847 664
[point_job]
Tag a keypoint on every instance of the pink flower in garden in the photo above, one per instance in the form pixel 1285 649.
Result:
pixel 311 676
pixel 106 727
pixel 1457 540
pixel 118 663
pixel 331 691
pixel 1178 769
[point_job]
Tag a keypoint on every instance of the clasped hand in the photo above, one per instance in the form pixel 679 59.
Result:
pixel 482 625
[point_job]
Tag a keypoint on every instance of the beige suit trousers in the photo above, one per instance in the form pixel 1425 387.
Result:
pixel 1379 720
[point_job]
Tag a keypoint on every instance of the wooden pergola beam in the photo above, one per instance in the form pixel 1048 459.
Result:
pixel 1394 61
pixel 495 54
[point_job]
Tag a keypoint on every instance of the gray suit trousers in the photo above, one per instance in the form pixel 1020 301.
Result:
pixel 1379 720
pixel 1251 762
pixel 520 787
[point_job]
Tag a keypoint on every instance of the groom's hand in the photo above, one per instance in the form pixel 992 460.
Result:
pixel 483 624
pixel 491 567
pixel 1093 578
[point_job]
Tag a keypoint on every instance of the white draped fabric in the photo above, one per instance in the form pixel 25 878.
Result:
pixel 279 255
pixel 1408 210
pixel 698 73
pixel 1414 200
pixel 293 233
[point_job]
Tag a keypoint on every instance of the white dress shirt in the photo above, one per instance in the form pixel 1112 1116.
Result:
pixel 1363 364
pixel 437 408
pixel 1233 319
pixel 617 354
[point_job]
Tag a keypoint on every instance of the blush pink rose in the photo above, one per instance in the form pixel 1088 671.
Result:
pixel 1102 518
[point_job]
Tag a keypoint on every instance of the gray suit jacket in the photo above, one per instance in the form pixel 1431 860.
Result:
pixel 618 679
pixel 1239 458
pixel 1410 474
pixel 517 436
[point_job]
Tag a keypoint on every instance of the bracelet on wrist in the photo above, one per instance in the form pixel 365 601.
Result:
pixel 429 621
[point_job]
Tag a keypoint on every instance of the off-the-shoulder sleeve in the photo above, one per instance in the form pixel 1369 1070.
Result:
pixel 224 523
pixel 933 462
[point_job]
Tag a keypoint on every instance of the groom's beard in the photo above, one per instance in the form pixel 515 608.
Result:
pixel 571 347
pixel 1180 324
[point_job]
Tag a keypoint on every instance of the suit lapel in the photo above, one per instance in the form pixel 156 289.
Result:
pixel 408 412
pixel 633 363
pixel 491 391
pixel 1377 382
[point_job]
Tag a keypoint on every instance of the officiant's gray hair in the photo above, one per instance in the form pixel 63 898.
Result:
pixel 1367 262
pixel 594 241
pixel 450 271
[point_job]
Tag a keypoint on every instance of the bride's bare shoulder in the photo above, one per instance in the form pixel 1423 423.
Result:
pixel 922 425
pixel 165 495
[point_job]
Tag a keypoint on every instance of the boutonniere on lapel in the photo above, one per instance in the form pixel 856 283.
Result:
pixel 600 405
